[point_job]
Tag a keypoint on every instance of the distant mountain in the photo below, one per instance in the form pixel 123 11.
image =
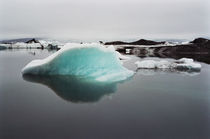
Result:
pixel 173 40
pixel 201 41
pixel 139 42
pixel 19 40
pixel 198 49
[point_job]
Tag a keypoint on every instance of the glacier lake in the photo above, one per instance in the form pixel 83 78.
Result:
pixel 152 104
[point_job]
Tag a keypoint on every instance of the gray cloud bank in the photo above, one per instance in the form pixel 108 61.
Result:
pixel 96 20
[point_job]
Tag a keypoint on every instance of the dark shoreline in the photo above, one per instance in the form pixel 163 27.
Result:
pixel 198 49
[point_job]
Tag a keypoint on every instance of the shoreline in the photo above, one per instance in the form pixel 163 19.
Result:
pixel 198 49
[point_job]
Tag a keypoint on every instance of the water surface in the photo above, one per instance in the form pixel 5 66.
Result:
pixel 152 104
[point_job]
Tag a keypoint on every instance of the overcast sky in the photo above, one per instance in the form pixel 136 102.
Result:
pixel 104 19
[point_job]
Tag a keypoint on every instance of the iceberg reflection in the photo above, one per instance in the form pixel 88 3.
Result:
pixel 75 89
pixel 152 72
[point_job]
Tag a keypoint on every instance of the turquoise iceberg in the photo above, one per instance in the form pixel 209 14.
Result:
pixel 91 61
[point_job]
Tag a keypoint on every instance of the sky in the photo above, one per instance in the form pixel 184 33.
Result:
pixel 93 20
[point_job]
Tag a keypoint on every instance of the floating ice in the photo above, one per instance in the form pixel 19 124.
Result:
pixel 187 64
pixel 87 61
pixel 181 64
pixel 120 56
pixel 25 45
pixel 146 64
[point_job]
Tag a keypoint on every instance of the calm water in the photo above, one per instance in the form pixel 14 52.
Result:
pixel 150 105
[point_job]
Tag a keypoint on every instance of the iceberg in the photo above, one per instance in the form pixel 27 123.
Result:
pixel 183 64
pixel 152 64
pixel 23 45
pixel 122 57
pixel 187 64
pixel 91 61
pixel 119 55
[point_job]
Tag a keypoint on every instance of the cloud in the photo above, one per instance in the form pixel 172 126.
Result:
pixel 94 20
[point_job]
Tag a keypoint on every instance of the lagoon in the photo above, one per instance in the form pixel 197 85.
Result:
pixel 151 104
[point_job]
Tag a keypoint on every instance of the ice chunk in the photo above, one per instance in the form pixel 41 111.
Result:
pixel 151 64
pixel 146 64
pixel 26 45
pixel 163 64
pixel 187 64
pixel 120 56
pixel 185 60
pixel 83 60
pixel 181 64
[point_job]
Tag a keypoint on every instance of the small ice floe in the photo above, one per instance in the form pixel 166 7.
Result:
pixel 127 51
pixel 120 56
pixel 92 61
pixel 187 64
pixel 152 64
pixel 183 64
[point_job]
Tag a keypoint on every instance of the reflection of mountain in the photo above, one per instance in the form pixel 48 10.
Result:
pixel 74 89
